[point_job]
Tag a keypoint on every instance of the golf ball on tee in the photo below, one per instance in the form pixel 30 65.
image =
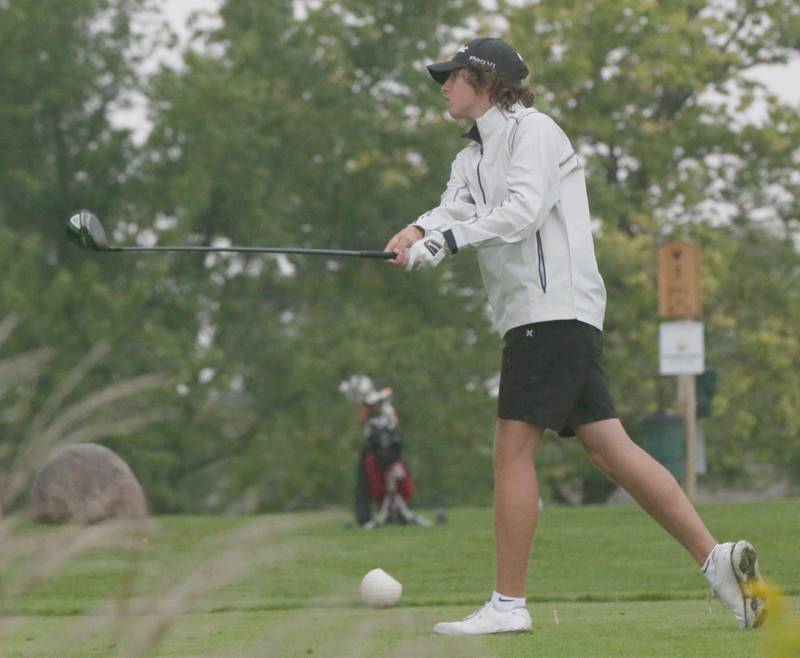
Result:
pixel 380 590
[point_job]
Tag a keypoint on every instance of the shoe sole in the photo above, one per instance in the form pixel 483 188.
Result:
pixel 745 567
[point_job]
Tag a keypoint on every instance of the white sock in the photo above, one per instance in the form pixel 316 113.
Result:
pixel 709 567
pixel 503 603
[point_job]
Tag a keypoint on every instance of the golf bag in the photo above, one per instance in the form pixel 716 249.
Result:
pixel 383 477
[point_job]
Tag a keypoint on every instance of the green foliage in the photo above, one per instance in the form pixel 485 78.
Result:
pixel 64 67
pixel 310 144
pixel 753 337
pixel 648 91
pixel 323 130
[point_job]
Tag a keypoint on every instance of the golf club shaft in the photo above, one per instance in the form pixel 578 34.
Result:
pixel 386 255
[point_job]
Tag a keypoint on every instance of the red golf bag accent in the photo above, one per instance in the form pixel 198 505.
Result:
pixel 377 478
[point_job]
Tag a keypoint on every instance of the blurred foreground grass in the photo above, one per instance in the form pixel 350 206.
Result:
pixel 605 581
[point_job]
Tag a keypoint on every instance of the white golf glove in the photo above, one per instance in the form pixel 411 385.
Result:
pixel 427 252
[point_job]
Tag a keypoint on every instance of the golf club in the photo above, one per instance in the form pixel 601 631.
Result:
pixel 86 231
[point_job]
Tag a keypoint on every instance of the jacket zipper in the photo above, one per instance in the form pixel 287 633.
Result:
pixel 480 184
pixel 542 267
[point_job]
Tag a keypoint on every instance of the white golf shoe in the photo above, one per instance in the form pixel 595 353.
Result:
pixel 732 569
pixel 488 620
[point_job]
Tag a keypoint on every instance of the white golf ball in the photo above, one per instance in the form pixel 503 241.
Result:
pixel 380 590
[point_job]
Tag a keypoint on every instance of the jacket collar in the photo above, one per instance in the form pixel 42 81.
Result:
pixel 474 134
pixel 493 120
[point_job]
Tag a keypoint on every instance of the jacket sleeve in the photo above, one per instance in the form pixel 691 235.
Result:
pixel 533 184
pixel 456 204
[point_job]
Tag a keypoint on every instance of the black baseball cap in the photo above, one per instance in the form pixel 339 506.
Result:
pixel 489 51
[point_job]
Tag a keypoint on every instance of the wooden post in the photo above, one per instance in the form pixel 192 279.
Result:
pixel 679 298
pixel 687 396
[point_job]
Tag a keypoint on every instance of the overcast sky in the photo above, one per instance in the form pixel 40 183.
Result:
pixel 784 81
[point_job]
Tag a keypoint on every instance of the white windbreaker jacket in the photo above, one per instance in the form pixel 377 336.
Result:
pixel 517 193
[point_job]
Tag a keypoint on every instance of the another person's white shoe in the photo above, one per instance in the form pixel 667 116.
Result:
pixel 732 570
pixel 487 620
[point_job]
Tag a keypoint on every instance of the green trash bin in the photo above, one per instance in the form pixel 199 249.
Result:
pixel 661 434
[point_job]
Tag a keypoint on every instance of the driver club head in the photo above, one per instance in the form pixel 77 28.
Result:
pixel 86 231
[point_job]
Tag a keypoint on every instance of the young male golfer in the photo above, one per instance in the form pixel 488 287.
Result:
pixel 517 195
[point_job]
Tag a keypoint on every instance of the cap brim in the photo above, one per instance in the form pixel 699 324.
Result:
pixel 441 71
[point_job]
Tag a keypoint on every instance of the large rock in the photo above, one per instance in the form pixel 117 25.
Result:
pixel 86 483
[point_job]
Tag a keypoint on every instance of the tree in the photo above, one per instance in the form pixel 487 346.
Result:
pixel 65 67
pixel 300 131
pixel 323 130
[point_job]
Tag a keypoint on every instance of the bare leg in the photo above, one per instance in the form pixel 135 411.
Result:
pixel 650 484
pixel 516 502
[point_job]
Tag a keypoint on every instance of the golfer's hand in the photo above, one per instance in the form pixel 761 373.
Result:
pixel 400 243
pixel 428 252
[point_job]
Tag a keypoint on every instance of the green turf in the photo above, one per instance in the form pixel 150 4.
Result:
pixel 605 581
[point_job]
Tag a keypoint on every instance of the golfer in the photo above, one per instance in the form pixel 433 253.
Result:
pixel 517 195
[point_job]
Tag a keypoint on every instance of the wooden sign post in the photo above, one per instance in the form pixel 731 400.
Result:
pixel 679 281
pixel 679 299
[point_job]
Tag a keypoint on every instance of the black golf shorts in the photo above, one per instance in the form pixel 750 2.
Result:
pixel 551 376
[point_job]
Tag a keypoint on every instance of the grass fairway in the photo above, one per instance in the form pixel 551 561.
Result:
pixel 605 581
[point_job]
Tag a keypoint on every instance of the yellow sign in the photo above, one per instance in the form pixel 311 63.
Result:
pixel 679 280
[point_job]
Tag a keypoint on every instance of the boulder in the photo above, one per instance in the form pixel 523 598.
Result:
pixel 86 483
